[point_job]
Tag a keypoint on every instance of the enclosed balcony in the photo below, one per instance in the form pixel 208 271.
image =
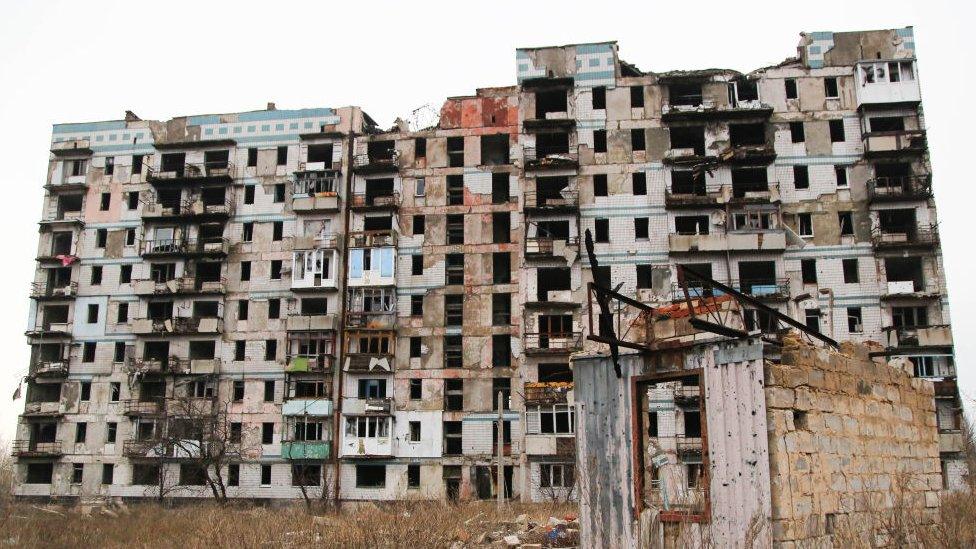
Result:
pixel 372 266
pixel 367 437
pixel 314 269
pixel 887 83
pixel 369 350
pixel 373 308
pixel 310 351
pixel 316 192
pixel 367 406
pixel 900 188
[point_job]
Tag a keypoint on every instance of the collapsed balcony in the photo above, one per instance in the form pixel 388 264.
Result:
pixel 748 145
pixel 316 191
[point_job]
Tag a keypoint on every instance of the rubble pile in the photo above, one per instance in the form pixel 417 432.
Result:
pixel 523 532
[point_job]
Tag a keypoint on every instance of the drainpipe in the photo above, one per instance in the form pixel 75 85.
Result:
pixel 340 340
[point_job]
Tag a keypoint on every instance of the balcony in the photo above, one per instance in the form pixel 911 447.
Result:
pixel 306 323
pixel 365 202
pixel 546 247
pixel 544 159
pixel 378 446
pixel 377 162
pixel 142 408
pixel 886 83
pixel 43 291
pixel 903 238
pixel 372 239
pixel 686 156
pixel 319 407
pixel 190 209
pixel 316 192
pixel 692 197
pixel 193 174
pixel 367 406
pixel 893 143
pixel 547 202
pixel 173 365
pixel 553 343
pixel 533 125
pixel 906 290
pixel 686 445
pixel 51 329
pixel 29 448
pixel 553 392
pixel 894 189
pixel 754 193
pixel 306 449
pixel 43 409
pixel 918 336
pixel 687 395
pixel 749 154
pixel 60 218
pixel 177 326
pixel 49 368
pixel 708 110
pixel 72 147
pixel 183 285
pixel 554 299
pixel 188 247
pixel 149 448
pixel 771 240
pixel 315 363
pixel 764 289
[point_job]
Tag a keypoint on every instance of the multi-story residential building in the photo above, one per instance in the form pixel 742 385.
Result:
pixel 331 301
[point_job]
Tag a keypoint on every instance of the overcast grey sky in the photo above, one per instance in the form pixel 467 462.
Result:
pixel 86 61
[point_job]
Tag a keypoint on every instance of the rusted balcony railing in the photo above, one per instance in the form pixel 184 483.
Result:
pixel 375 201
pixel 907 236
pixel 909 187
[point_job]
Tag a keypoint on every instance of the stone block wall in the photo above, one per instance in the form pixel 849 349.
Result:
pixel 850 438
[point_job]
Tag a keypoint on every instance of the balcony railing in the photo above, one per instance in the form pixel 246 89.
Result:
pixel 564 199
pixel 150 365
pixel 552 392
pixel 306 449
pixel 218 169
pixel 185 246
pixel 937 335
pixel 135 448
pixel 312 183
pixel 52 328
pixel 30 448
pixel 909 236
pixel 549 159
pixel 690 196
pixel 374 201
pixel 376 162
pixel 178 325
pixel 372 239
pixel 764 288
pixel 187 285
pixel 693 107
pixel 135 407
pixel 49 368
pixel 43 290
pixel 553 342
pixel 894 142
pixel 545 246
pixel 909 187
pixel 189 207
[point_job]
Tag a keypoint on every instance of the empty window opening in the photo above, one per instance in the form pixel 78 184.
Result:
pixel 836 131
pixel 691 224
pixel 548 101
pixel 689 94
pixel 741 135
pixel 494 149
pixel 688 137
pixel 552 279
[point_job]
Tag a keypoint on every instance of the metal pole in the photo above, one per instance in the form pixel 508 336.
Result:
pixel 500 442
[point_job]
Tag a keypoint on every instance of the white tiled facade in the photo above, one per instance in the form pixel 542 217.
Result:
pixel 399 333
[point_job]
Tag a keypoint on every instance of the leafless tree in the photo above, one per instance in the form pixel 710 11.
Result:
pixel 197 432
pixel 317 493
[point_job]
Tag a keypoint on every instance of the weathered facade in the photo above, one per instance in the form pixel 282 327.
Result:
pixel 352 301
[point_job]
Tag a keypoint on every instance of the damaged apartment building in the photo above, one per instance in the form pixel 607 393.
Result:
pixel 385 314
